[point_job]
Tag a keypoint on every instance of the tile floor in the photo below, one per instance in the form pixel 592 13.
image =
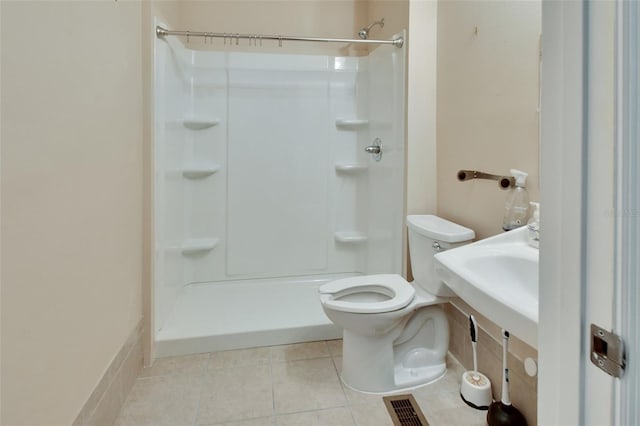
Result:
pixel 285 385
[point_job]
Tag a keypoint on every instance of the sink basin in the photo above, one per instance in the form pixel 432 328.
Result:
pixel 498 277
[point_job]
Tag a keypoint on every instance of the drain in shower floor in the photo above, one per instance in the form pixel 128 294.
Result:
pixel 404 410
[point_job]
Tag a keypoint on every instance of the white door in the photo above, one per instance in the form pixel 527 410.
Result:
pixel 627 302
pixel 561 214
pixel 612 215
pixel 589 226
pixel 600 218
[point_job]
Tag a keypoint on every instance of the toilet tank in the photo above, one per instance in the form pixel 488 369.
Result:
pixel 429 235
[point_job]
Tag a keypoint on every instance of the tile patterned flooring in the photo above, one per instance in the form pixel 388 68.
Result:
pixel 287 385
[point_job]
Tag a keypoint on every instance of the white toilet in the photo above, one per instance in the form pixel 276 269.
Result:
pixel 396 334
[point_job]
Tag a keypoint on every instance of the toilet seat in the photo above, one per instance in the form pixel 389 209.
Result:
pixel 399 291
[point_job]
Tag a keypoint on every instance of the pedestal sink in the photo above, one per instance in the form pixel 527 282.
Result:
pixel 498 277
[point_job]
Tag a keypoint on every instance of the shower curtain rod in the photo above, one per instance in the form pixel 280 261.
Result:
pixel 257 38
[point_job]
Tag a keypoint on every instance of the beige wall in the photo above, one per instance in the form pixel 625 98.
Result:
pixel 487 120
pixel 322 18
pixel 395 14
pixel 487 105
pixel 311 18
pixel 71 201
pixel 421 108
pixel 168 12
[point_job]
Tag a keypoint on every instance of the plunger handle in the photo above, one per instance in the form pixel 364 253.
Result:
pixel 505 371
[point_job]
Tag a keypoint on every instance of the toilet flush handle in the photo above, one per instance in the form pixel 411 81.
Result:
pixel 436 246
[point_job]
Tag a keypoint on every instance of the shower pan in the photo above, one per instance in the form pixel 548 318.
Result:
pixel 263 190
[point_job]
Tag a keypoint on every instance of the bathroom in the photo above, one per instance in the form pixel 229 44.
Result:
pixel 77 206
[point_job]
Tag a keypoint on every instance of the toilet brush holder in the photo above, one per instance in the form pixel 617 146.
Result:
pixel 475 390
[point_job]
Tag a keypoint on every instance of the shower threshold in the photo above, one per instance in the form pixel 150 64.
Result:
pixel 224 315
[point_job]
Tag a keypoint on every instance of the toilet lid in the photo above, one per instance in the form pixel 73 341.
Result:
pixel 399 292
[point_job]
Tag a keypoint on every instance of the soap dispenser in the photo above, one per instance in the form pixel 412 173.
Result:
pixel 534 225
pixel 517 206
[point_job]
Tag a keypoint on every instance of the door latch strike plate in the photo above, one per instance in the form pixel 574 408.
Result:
pixel 607 351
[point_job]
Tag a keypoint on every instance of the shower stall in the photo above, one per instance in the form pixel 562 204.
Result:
pixel 263 189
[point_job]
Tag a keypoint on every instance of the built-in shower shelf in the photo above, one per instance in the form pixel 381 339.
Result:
pixel 199 172
pixel 199 123
pixel 350 237
pixel 198 246
pixel 351 168
pixel 350 123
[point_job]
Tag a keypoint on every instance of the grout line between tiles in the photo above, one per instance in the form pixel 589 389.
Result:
pixel 201 384
pixel 346 399
pixel 312 411
pixel 239 421
pixel 207 366
pixel 304 359
pixel 316 411
pixel 273 388
pixel 353 418
pixel 197 411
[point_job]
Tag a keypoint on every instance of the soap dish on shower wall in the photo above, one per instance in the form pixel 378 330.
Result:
pixel 199 172
pixel 350 237
pixel 351 168
pixel 350 124
pixel 198 246
pixel 199 123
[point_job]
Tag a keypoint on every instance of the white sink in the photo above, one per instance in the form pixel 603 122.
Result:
pixel 498 277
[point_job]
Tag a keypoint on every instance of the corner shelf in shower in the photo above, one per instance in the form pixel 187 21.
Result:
pixel 199 123
pixel 199 246
pixel 199 172
pixel 351 123
pixel 350 237
pixel 351 168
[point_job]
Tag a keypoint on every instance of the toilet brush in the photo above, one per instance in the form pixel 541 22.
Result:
pixel 502 413
pixel 475 388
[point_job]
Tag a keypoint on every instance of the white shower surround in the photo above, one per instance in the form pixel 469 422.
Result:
pixel 262 184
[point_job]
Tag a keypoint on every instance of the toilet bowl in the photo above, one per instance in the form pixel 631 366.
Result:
pixel 368 294
pixel 396 334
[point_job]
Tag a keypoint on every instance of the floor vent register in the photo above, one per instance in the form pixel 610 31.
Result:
pixel 404 410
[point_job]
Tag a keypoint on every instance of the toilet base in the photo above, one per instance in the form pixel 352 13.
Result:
pixel 400 388
pixel 406 379
pixel 412 354
pixel 412 377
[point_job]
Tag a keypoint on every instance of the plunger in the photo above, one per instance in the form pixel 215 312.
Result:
pixel 502 413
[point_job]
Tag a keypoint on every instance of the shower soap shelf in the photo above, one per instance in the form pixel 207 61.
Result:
pixel 197 246
pixel 351 168
pixel 350 237
pixel 199 123
pixel 350 124
pixel 199 172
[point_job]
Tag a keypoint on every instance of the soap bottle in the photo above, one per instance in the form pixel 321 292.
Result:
pixel 516 208
pixel 534 225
